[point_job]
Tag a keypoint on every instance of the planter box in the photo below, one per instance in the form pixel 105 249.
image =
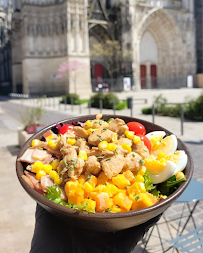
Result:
pixel 23 136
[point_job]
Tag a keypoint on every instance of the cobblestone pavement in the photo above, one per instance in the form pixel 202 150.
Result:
pixel 17 214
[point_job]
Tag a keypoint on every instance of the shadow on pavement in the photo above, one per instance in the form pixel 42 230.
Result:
pixel 13 149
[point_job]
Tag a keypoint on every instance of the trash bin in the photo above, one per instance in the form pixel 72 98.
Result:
pixel 129 102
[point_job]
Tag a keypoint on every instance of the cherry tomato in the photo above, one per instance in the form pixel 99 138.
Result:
pixel 64 129
pixel 147 142
pixel 136 127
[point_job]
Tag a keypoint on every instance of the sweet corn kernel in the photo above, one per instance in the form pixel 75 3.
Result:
pixel 88 187
pixel 83 155
pixel 140 178
pixel 161 155
pixel 54 144
pixel 180 175
pixel 53 174
pixel 57 180
pixel 47 168
pixel 111 147
pixel 136 139
pixel 102 145
pixel 129 134
pixel 90 131
pixel 127 147
pixel 114 137
pixel 37 166
pixel 35 142
pixel 142 171
pixel 54 164
pixel 50 137
pixel 40 174
pixel 71 141
pixel 89 123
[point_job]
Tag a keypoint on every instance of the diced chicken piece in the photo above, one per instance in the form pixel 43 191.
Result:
pixel 27 156
pixel 64 138
pixel 65 150
pixel 48 133
pixel 55 152
pixel 35 182
pixel 141 149
pixel 132 162
pixel 96 152
pixel 99 116
pixel 76 168
pixel 83 145
pixel 118 126
pixel 81 132
pixel 100 135
pixel 39 154
pixel 93 165
pixel 46 181
pixel 124 140
pixel 71 154
pixel 112 166
pixel 28 181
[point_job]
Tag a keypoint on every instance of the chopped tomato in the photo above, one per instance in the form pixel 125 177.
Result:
pixel 64 129
pixel 146 141
pixel 136 127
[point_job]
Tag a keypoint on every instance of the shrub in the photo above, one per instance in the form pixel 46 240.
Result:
pixel 108 100
pixel 171 111
pixel 68 97
pixel 194 109
pixel 147 110
pixel 121 105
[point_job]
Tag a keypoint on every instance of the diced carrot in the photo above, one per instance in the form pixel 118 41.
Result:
pixel 120 181
pixel 93 181
pixel 82 179
pixel 76 196
pixel 143 200
pixel 123 201
pixel 137 187
pixel 129 175
pixel 102 179
pixel 101 201
pixel 70 185
pixel 92 195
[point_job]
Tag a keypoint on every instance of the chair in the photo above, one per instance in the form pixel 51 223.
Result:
pixel 193 193
pixel 190 242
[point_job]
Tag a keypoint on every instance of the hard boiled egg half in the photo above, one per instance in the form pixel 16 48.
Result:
pixel 167 145
pixel 165 159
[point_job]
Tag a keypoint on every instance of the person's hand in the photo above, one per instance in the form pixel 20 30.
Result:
pixel 53 235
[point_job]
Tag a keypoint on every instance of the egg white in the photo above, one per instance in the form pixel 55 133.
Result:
pixel 182 161
pixel 156 133
pixel 170 149
pixel 168 171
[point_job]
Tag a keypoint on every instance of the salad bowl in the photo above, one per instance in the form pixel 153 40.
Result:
pixel 104 222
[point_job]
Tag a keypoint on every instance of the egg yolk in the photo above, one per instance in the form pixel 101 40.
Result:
pixel 174 157
pixel 155 166
pixel 155 142
pixel 165 146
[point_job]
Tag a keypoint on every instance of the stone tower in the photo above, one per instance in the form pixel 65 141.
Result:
pixel 47 34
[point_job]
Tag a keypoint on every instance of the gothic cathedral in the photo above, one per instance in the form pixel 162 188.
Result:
pixel 49 35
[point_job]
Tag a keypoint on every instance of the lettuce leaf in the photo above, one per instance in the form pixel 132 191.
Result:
pixel 169 186
pixel 148 182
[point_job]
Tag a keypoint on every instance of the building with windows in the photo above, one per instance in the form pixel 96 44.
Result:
pixel 5 47
pixel 52 34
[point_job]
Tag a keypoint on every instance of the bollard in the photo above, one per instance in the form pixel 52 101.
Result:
pixel 54 102
pixel 114 108
pixel 59 104
pixel 181 119
pixel 101 105
pixel 153 113
pixel 89 106
pixel 72 104
pixel 49 102
pixel 80 108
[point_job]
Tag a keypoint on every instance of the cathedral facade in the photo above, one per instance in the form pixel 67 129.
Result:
pixel 48 35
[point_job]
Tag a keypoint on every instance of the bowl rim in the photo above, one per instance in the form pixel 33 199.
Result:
pixel 83 214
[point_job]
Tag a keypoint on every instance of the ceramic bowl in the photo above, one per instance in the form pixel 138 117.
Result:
pixel 104 222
